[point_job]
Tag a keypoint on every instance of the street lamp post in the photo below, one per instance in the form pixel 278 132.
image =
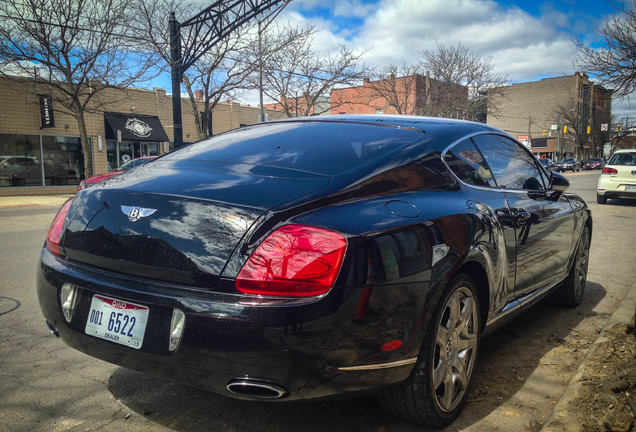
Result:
pixel 176 66
pixel 214 23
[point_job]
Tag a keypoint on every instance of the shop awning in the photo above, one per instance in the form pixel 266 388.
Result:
pixel 134 127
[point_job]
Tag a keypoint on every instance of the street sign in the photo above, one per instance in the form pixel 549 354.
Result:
pixel 604 127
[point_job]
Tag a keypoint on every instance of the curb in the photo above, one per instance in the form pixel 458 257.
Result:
pixel 33 200
pixel 624 314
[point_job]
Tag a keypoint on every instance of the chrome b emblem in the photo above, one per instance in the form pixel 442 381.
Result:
pixel 136 213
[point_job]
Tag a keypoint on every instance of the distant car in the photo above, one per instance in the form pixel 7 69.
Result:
pixel 548 164
pixel 618 178
pixel 117 171
pixel 594 164
pixel 568 164
pixel 317 257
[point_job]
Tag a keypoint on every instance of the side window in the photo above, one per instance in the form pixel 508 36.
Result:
pixel 469 165
pixel 512 166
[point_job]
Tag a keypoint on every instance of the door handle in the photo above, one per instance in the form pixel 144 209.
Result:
pixel 522 216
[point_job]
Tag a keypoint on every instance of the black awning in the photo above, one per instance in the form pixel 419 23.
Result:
pixel 134 127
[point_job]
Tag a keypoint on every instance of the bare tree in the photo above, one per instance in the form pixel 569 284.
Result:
pixel 296 76
pixel 576 124
pixel 463 83
pixel 73 50
pixel 614 64
pixel 221 72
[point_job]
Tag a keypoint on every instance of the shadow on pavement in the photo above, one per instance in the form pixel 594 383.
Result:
pixel 541 339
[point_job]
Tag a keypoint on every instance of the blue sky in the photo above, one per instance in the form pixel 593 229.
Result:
pixel 526 40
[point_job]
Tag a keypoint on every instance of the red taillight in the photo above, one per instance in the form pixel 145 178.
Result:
pixel 611 171
pixel 55 232
pixel 294 261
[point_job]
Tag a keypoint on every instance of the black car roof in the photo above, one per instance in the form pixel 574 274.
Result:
pixel 443 129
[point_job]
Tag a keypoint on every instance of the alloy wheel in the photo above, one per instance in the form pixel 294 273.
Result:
pixel 455 349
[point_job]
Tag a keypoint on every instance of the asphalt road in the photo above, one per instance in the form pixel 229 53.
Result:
pixel 523 369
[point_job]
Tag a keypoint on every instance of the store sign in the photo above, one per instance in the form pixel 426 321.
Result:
pixel 138 127
pixel 524 139
pixel 46 111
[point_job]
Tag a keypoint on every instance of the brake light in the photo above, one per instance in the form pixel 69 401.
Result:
pixel 55 231
pixel 611 171
pixel 294 261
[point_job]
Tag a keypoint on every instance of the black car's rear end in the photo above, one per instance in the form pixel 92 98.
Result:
pixel 174 269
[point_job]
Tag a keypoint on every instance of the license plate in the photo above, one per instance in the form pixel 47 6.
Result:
pixel 117 321
pixel 630 188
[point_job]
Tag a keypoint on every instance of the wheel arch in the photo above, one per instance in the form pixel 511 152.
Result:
pixel 479 276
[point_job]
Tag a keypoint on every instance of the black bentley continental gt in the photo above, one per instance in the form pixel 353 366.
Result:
pixel 315 257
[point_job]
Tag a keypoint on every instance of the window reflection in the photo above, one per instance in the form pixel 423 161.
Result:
pixel 469 165
pixel 512 166
pixel 34 160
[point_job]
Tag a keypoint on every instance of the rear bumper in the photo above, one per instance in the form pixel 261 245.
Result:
pixel 312 350
pixel 615 189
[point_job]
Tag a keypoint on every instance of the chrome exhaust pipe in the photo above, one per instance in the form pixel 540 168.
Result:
pixel 52 329
pixel 257 389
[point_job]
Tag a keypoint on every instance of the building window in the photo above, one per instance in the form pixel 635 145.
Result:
pixel 379 111
pixel 37 160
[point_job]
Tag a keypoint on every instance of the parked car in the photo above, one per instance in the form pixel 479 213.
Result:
pixel 318 257
pixel 568 164
pixel 618 178
pixel 594 164
pixel 20 171
pixel 548 164
pixel 117 171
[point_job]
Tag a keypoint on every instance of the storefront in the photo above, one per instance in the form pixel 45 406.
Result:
pixel 40 160
pixel 129 136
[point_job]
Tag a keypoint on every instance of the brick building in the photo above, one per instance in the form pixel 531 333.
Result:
pixel 40 149
pixel 541 109
pixel 411 95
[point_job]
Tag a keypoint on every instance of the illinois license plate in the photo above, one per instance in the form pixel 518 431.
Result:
pixel 117 321
pixel 630 188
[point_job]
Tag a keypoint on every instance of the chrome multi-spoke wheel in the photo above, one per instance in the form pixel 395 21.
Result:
pixel 455 349
pixel 571 292
pixel 438 386
pixel 581 262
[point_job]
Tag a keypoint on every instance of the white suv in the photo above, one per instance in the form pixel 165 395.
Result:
pixel 618 178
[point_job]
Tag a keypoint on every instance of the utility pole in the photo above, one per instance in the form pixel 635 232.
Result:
pixel 558 143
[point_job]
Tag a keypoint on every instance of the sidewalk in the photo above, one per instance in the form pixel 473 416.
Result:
pixel 565 416
pixel 34 200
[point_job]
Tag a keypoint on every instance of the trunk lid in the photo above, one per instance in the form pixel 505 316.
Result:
pixel 176 223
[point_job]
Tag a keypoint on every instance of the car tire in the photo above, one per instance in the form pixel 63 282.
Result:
pixel 570 294
pixel 437 388
pixel 601 199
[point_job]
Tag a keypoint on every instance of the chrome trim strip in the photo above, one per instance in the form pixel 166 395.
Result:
pixel 396 363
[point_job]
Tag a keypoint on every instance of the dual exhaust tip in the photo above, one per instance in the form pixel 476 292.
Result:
pixel 256 389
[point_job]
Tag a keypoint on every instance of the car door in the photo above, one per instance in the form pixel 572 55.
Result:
pixel 484 196
pixel 543 220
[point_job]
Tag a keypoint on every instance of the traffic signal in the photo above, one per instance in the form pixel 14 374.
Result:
pixel 588 130
pixel 618 128
pixel 565 129
pixel 544 131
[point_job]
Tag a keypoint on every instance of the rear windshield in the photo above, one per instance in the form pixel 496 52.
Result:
pixel 623 159
pixel 319 147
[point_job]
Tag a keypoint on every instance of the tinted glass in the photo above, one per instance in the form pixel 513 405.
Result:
pixel 512 166
pixel 623 159
pixel 321 147
pixel 469 165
